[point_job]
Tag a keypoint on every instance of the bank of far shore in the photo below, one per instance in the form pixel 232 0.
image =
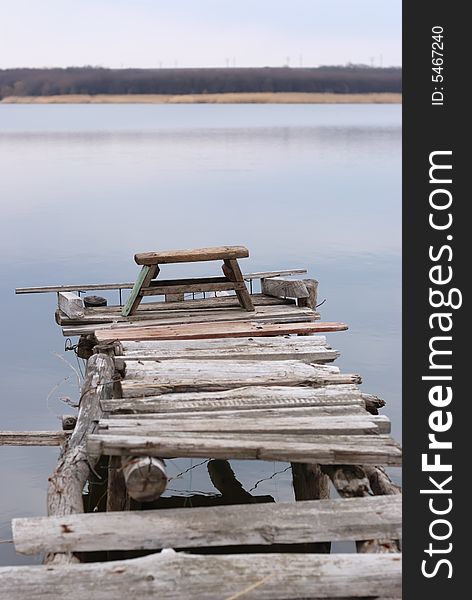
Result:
pixel 231 98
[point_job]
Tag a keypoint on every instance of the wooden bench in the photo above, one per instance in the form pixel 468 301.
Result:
pixel 150 261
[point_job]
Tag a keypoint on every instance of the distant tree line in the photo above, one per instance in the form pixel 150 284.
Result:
pixel 95 80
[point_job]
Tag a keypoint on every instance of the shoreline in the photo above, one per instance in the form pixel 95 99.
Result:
pixel 230 98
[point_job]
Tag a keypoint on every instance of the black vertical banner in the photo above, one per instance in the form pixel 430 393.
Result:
pixel 436 249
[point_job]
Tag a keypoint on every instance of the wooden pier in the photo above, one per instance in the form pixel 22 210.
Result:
pixel 207 377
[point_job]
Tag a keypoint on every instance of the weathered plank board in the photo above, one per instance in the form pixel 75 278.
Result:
pixel 304 348
pixel 71 305
pixel 131 347
pixel 88 324
pixel 333 450
pixel 169 575
pixel 244 398
pixel 250 413
pixel 33 438
pixel 149 378
pixel 191 255
pixel 279 523
pixel 318 425
pixel 214 330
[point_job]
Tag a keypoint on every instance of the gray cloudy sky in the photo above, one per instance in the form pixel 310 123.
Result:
pixel 194 33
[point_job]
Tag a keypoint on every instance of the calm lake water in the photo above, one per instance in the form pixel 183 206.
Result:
pixel 85 187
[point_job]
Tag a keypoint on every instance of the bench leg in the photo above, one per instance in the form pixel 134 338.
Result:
pixel 233 273
pixel 146 275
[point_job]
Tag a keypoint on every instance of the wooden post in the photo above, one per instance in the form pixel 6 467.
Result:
pixel 68 479
pixel 310 483
pixel 117 495
pixel 145 477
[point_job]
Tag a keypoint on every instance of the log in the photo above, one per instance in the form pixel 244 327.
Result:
pixel 255 523
pixel 71 305
pixel 210 330
pixel 68 479
pixel 33 438
pixel 242 398
pixel 306 349
pixel 169 575
pixel 329 449
pixel 145 477
pixel 351 481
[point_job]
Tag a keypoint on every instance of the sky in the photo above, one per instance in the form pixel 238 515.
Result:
pixel 199 33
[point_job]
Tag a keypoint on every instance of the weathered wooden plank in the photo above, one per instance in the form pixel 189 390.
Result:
pixel 284 288
pixel 324 425
pixel 169 575
pixel 278 523
pixel 86 287
pixel 350 480
pixel 271 314
pixel 242 398
pixel 191 255
pixel 251 413
pixel 219 284
pixel 71 305
pixel 33 438
pixel 304 348
pixel 148 377
pixel 215 330
pixel 131 347
pixel 333 450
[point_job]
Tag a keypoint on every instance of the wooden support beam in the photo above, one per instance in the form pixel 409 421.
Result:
pixel 169 575
pixel 266 524
pixel 71 305
pixel 284 288
pixel 68 479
